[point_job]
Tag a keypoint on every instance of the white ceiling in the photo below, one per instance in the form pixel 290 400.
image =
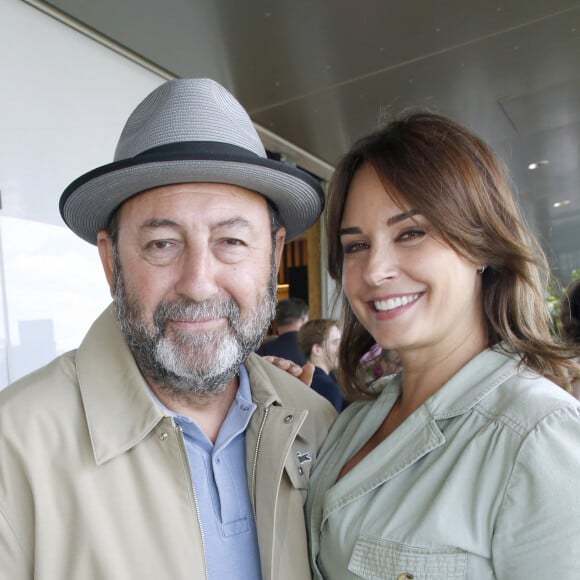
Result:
pixel 321 73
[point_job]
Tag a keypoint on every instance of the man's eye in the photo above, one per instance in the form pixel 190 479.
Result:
pixel 157 248
pixel 233 242
pixel 159 244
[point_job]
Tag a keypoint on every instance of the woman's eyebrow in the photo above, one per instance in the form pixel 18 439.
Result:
pixel 391 221
pixel 401 217
pixel 346 231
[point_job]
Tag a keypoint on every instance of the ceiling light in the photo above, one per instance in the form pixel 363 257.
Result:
pixel 561 203
pixel 537 164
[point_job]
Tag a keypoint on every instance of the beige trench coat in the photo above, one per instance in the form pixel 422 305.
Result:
pixel 94 479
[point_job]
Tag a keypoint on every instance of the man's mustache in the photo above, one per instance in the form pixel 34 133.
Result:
pixel 188 310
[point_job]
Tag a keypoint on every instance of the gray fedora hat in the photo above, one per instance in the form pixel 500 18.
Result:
pixel 189 130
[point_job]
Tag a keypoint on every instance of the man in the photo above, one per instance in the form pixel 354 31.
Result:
pixel 319 340
pixel 162 447
pixel 291 314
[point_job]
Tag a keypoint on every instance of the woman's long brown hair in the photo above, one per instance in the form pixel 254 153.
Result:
pixel 455 180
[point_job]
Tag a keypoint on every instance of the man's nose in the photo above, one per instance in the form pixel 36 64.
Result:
pixel 196 278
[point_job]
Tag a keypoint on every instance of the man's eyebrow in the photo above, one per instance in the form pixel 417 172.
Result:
pixel 390 222
pixel 160 223
pixel 233 223
pixel 228 223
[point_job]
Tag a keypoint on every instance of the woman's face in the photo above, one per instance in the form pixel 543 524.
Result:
pixel 406 286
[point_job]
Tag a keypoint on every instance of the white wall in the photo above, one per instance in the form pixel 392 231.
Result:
pixel 63 101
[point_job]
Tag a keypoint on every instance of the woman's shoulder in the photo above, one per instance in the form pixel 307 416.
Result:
pixel 525 399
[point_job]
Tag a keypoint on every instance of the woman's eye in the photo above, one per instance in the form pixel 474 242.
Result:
pixel 412 234
pixel 354 247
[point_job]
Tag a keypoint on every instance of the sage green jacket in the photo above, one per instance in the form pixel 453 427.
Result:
pixel 94 479
pixel 482 482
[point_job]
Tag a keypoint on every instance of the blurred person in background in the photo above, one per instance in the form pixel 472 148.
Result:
pixel 291 314
pixel 319 340
pixel 570 322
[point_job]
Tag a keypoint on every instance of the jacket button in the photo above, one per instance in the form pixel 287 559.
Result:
pixel 163 436
pixel 405 576
pixel 288 418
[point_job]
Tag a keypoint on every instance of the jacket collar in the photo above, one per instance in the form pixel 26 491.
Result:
pixel 420 433
pixel 263 377
pixel 464 390
pixel 119 409
pixel 477 379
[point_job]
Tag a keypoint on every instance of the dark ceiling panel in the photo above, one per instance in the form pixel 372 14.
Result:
pixel 320 73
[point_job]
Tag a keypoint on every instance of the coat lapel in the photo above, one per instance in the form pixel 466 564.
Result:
pixel 415 438
pixel 119 409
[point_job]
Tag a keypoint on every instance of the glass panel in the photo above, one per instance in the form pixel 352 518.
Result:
pixel 60 115
pixel 55 288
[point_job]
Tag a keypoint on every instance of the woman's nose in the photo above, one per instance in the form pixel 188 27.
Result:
pixel 380 266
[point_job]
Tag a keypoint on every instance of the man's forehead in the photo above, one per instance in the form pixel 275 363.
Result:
pixel 195 197
pixel 203 188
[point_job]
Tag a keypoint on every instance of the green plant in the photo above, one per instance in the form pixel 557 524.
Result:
pixel 555 293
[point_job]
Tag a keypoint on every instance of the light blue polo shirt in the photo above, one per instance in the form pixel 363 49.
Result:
pixel 220 481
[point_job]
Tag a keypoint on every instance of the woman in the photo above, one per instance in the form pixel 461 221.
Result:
pixel 466 463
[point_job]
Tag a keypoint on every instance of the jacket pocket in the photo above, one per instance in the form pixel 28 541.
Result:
pixel 378 559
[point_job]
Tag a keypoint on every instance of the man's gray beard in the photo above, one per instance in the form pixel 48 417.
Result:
pixel 198 363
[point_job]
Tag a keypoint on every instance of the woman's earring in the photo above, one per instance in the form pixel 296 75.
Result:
pixel 480 270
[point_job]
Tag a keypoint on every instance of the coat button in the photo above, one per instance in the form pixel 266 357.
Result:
pixel 163 436
pixel 288 418
pixel 405 576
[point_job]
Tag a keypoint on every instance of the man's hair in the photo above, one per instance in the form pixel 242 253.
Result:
pixel 290 310
pixel 313 332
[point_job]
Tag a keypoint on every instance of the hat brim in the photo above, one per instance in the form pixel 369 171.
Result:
pixel 88 203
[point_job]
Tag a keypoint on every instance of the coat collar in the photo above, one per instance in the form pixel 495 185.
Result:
pixel 119 410
pixel 472 383
pixel 420 433
pixel 263 375
pixel 464 390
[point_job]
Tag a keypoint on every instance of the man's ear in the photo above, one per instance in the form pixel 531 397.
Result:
pixel 280 239
pixel 105 245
